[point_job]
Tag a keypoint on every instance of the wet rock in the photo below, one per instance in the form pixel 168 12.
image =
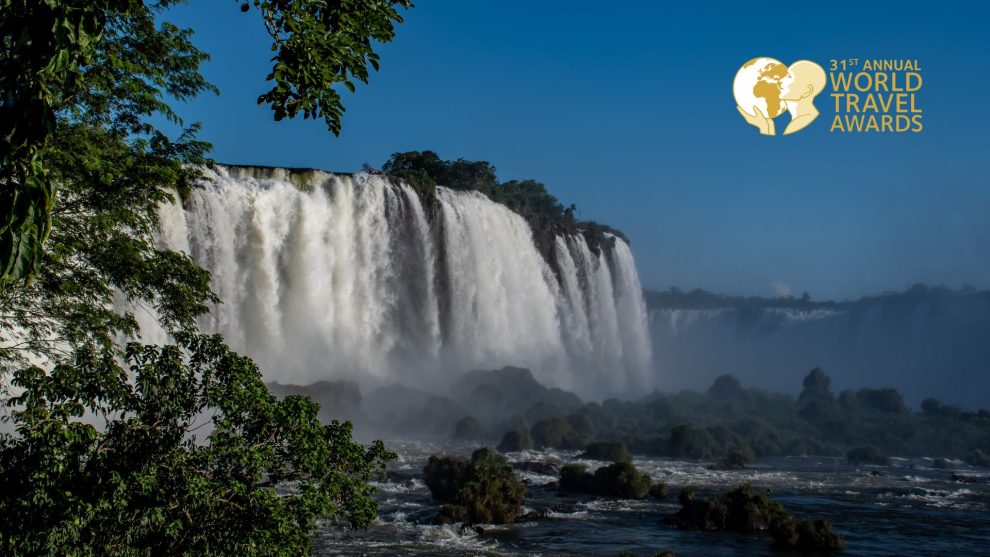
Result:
pixel 968 479
pixel 942 464
pixel 548 468
pixel 734 460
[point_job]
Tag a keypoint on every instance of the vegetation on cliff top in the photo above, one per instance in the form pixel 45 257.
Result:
pixel 547 217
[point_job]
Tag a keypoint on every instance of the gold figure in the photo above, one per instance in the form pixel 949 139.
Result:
pixel 764 88
pixel 804 81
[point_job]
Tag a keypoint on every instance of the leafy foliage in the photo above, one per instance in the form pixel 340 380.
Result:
pixel 143 484
pixel 106 460
pixel 745 511
pixel 483 490
pixel 619 479
pixel 318 44
pixel 110 63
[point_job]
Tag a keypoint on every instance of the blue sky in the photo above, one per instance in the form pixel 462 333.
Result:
pixel 627 111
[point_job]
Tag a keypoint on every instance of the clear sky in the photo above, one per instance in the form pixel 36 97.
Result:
pixel 626 109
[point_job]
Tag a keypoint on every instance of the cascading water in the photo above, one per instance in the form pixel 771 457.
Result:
pixel 350 277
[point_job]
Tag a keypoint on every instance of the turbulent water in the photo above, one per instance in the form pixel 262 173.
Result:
pixel 910 508
pixel 354 277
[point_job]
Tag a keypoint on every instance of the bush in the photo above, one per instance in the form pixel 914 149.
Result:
pixel 621 480
pixel 603 450
pixel 482 490
pixel 744 511
pixel 805 535
pixel 556 433
pixel 659 490
pixel 144 485
pixel 867 455
pixel 515 441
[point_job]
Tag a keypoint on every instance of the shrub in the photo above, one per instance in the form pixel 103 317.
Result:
pixel 620 479
pixel 603 450
pixel 482 490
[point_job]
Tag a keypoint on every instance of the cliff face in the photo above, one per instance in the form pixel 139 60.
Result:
pixel 362 277
pixel 925 342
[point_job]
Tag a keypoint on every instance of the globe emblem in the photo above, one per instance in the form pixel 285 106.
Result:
pixel 758 84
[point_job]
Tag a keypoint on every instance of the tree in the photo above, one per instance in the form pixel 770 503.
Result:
pixel 82 82
pixel 816 387
pixel 144 485
pixel 59 52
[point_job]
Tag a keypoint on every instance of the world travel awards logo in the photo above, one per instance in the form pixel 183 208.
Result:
pixel 867 96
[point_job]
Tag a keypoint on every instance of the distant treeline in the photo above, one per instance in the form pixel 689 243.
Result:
pixel 675 298
pixel 547 217
pixel 732 422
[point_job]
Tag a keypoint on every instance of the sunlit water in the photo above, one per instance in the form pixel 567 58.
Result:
pixel 909 508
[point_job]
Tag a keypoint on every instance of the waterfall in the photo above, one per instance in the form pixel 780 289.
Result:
pixel 326 276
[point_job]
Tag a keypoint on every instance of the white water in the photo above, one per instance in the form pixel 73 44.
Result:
pixel 350 277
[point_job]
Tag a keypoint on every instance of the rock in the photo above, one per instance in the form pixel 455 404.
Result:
pixel 621 480
pixel 603 450
pixel 405 411
pixel 550 468
pixel 482 490
pixel 493 395
pixel 968 479
pixel 978 458
pixel 735 460
pixel 514 441
pixel 467 429
pixel 942 464
pixel 867 455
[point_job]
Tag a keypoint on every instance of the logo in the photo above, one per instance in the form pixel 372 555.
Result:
pixel 765 88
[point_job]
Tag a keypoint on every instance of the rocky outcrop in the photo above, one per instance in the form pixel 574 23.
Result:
pixel 482 490
pixel 744 511
pixel 620 479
